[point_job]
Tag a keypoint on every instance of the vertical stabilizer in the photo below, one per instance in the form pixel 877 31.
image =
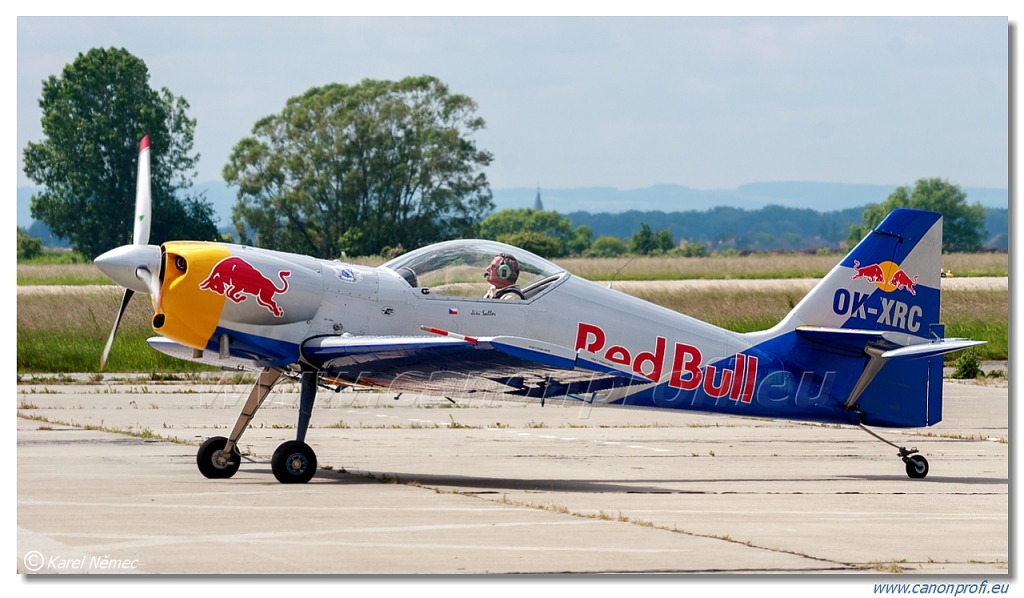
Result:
pixel 888 282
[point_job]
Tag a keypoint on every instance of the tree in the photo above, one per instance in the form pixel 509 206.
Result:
pixel 607 246
pixel 544 222
pixel 94 116
pixel 963 225
pixel 538 243
pixel 647 242
pixel 581 240
pixel 357 168
pixel 28 247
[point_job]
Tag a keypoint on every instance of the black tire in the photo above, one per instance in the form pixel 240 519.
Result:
pixel 293 463
pixel 917 467
pixel 209 462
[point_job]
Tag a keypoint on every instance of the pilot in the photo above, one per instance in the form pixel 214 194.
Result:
pixel 502 274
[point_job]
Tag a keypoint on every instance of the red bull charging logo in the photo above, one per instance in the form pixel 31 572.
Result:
pixel 888 276
pixel 235 278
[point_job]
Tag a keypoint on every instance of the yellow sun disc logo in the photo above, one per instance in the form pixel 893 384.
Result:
pixel 888 270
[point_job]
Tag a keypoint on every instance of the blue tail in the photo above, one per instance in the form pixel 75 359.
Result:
pixel 870 329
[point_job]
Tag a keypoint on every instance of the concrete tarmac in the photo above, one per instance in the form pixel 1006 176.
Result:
pixel 107 483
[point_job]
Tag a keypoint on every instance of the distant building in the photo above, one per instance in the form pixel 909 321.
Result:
pixel 537 203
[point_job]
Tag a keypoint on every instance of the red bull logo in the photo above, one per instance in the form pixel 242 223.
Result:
pixel 235 278
pixel 736 382
pixel 887 276
pixel 901 281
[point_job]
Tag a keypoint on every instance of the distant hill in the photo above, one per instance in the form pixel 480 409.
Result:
pixel 666 198
pixel 676 198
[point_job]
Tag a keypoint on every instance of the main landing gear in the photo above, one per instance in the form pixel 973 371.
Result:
pixel 917 465
pixel 294 462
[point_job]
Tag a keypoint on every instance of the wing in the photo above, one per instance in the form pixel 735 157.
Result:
pixel 452 364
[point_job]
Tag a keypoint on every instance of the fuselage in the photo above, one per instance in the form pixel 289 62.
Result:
pixel 264 305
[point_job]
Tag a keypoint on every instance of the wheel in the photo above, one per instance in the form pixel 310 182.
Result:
pixel 210 462
pixel 917 467
pixel 293 463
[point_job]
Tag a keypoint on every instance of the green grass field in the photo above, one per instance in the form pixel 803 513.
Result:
pixel 66 332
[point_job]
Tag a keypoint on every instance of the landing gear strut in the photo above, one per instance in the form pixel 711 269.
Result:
pixel 917 465
pixel 294 462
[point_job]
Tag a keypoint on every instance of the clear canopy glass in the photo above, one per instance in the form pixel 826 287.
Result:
pixel 457 267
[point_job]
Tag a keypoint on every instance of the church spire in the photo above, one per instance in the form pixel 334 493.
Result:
pixel 537 203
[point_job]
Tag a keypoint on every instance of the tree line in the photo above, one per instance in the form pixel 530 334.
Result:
pixel 374 167
pixel 773 228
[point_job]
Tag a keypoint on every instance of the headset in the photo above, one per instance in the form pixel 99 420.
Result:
pixel 505 269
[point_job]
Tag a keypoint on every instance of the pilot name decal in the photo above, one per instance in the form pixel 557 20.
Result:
pixel 235 278
pixel 736 382
pixel 888 277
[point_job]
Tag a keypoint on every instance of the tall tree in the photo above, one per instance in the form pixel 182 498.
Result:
pixel 503 223
pixel 963 225
pixel 358 168
pixel 94 115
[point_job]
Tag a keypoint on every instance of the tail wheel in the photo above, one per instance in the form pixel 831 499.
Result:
pixel 917 467
pixel 211 461
pixel 293 463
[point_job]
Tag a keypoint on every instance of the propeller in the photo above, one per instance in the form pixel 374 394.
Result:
pixel 135 267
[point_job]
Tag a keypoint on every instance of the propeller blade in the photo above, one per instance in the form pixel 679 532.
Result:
pixel 143 197
pixel 117 322
pixel 134 266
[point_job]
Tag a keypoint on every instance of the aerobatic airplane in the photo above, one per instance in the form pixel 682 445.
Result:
pixel 863 348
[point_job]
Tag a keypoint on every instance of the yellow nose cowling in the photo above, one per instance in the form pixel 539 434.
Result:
pixel 185 313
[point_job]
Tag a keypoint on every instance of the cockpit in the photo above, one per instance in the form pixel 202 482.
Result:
pixel 456 268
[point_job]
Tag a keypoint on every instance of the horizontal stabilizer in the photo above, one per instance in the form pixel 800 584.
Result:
pixel 931 349
pixel 891 345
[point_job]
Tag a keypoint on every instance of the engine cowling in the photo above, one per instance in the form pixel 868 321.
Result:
pixel 262 300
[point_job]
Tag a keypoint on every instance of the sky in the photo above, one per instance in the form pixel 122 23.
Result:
pixel 622 102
